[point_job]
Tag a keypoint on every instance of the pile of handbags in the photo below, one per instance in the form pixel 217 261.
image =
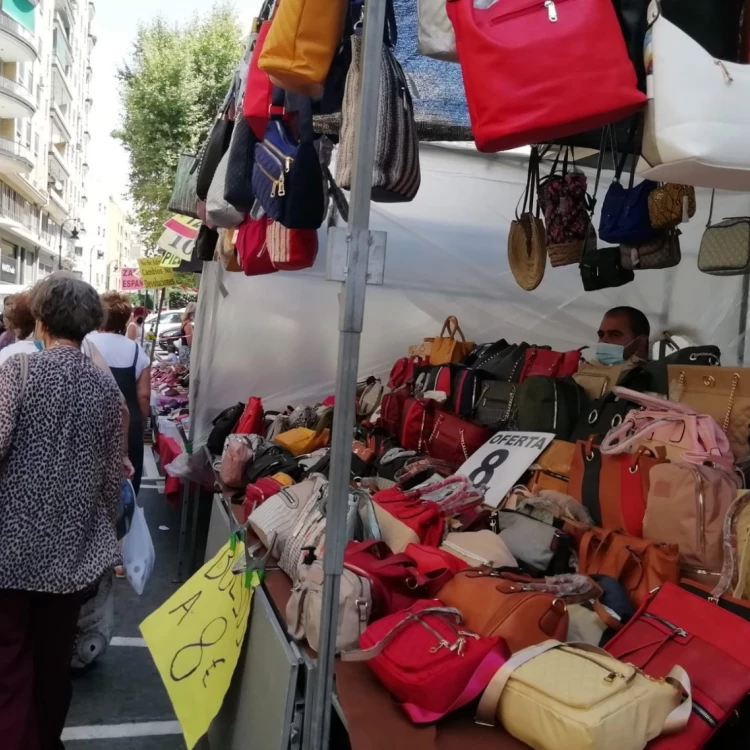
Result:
pixel 608 596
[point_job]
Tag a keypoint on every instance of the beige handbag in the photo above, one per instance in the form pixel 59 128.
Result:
pixel 661 252
pixel 725 247
pixel 303 611
pixel 479 548
pixel 435 36
pixel 577 697
pixel 598 380
pixel 721 392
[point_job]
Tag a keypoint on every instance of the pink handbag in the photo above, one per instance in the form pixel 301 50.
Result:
pixel 685 434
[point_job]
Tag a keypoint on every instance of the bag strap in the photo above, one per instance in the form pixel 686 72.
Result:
pixel 532 184
pixel 451 327
pixel 676 721
pixel 711 209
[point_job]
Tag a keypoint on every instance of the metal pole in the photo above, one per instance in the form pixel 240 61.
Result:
pixel 156 332
pixel 351 314
pixel 743 321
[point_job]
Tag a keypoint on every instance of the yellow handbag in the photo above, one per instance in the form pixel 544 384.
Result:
pixel 598 379
pixel 283 479
pixel 301 43
pixel 551 471
pixel 558 696
pixel 227 250
pixel 721 392
pixel 300 440
pixel 447 348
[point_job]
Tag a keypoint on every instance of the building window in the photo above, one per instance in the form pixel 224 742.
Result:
pixel 28 135
pixel 36 145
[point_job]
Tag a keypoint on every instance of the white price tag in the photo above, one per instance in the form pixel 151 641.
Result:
pixel 502 460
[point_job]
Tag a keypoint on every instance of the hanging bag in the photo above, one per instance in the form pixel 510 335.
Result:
pixel 518 93
pixel 435 35
pixel 216 145
pixel 670 205
pixel 238 183
pixel 527 253
pixel 663 251
pixel 259 89
pixel 252 247
pixel 725 246
pixel 184 199
pixel 219 212
pixel 291 249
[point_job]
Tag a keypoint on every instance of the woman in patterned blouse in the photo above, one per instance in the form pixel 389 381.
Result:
pixel 60 469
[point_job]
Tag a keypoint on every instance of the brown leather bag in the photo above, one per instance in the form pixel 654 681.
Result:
pixel 551 470
pixel 494 606
pixel 640 566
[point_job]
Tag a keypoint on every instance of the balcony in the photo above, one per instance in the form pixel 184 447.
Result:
pixel 61 89
pixel 58 166
pixel 59 116
pixel 14 157
pixel 65 8
pixel 17 44
pixel 16 101
pixel 58 208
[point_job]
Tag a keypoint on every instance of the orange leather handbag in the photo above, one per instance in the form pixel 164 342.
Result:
pixel 492 605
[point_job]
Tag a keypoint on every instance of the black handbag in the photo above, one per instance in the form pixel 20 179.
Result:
pixel 184 200
pixel 496 405
pixel 238 185
pixel 602 269
pixel 715 24
pixel 550 405
pixel 222 428
pixel 484 351
pixel 505 365
pixel 215 147
pixel 205 243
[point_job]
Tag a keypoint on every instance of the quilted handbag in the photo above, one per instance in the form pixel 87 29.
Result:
pixel 493 606
pixel 394 180
pixel 287 177
pixel 674 627
pixel 496 404
pixel 184 198
pixel 219 212
pixel 291 249
pixel 252 247
pixel 601 268
pixel 527 103
pixel 435 37
pixel 663 251
pixel 454 439
pixel 699 107
pixel 670 205
pixel 725 246
pixel 217 144
pixel 538 361
pixel 428 661
pixel 238 183
pixel 558 695
pixel 721 392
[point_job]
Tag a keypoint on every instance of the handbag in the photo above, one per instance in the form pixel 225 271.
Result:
pixel 301 440
pixel 721 392
pixel 252 247
pixel 392 410
pixel 438 564
pixel 394 180
pixel 251 421
pixel 219 212
pixel 446 347
pixel 598 380
pixel 205 243
pixel 370 397
pixel 670 205
pixel 557 695
pixel 613 489
pixel 496 404
pixel 403 372
pixel 479 549
pixel 527 252
pixel 257 102
pixel 184 197
pixel 428 661
pixel 454 439
pixel 661 252
pixel 601 268
pixel 301 44
pixel 435 37
pixel 725 246
pixel 257 493
pixel 287 177
pixel 222 426
pixel 699 105
pixel 550 405
pixel 493 606
pixel 675 626
pixel 527 104
pixel 687 507
pixel 238 183
pixel 291 249
pixel 216 146
pixel 272 461
pixel 226 251
pixel 481 351
pixel 538 361
pixel 303 610
pixel 503 362
pixel 551 471
pixel 639 565
pixel 466 387
pixel 416 422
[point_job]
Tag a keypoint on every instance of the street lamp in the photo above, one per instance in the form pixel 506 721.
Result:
pixel 74 235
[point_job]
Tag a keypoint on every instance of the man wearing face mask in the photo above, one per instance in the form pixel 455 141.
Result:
pixel 623 336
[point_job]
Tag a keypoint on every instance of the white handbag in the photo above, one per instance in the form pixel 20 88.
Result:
pixel 435 36
pixel 219 212
pixel 698 114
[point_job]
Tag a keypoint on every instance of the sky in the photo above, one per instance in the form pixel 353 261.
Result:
pixel 115 26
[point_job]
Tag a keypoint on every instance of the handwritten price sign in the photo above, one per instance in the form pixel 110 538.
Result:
pixel 195 639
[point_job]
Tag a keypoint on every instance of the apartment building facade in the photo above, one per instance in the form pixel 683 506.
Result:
pixel 45 70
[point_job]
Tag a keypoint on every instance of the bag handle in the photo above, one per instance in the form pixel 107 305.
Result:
pixel 711 209
pixel 452 327
pixel 676 721
pixel 532 184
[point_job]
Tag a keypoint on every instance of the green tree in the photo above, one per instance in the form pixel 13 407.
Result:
pixel 170 90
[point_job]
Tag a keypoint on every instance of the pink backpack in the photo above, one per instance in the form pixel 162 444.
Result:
pixel 685 434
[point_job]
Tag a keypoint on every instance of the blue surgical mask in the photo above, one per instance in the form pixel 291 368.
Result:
pixel 610 354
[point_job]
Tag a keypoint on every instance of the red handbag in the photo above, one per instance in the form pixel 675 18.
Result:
pixel 403 372
pixel 435 563
pixel 428 660
pixel 536 72
pixel 251 421
pixel 454 439
pixel 258 493
pixel 259 89
pixel 391 411
pixel 416 423
pixel 252 249
pixel 550 364
pixel 291 249
pixel 674 627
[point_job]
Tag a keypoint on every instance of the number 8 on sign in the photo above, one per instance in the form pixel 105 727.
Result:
pixel 483 474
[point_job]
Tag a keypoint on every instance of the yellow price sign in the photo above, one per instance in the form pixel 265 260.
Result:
pixel 195 639
pixel 154 274
pixel 170 260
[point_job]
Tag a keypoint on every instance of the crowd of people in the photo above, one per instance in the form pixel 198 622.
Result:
pixel 73 394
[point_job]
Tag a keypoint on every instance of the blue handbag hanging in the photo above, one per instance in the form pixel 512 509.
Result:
pixel 287 176
pixel 624 218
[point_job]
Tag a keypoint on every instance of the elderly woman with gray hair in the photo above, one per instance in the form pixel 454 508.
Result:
pixel 60 470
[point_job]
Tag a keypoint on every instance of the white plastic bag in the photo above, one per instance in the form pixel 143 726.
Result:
pixel 138 552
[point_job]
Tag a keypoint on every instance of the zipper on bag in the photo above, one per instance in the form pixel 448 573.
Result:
pixel 281 155
pixel 678 630
pixel 550 6
pixel 611 674
pixel 277 186
pixel 703 714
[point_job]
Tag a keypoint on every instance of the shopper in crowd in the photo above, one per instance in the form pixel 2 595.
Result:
pixel 135 325
pixel 60 469
pixel 172 358
pixel 623 335
pixel 21 324
pixel 186 333
pixel 131 369
pixel 7 337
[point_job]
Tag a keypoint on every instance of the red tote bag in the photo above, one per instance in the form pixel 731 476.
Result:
pixel 536 72
pixel 252 248
pixel 251 421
